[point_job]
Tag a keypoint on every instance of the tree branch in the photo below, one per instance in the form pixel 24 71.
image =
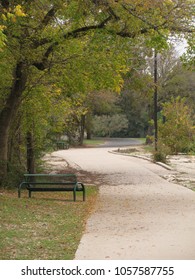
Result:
pixel 182 29
pixel 174 28
pixel 126 34
pixel 85 29
pixel 48 17
pixel 42 65
pixel 131 11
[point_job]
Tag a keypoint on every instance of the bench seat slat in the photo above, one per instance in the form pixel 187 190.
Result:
pixel 34 189
pixel 51 183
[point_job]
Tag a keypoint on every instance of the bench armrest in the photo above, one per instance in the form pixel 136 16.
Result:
pixel 20 187
pixel 82 187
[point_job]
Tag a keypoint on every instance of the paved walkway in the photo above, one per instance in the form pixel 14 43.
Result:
pixel 138 215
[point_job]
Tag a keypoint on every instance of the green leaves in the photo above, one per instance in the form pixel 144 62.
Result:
pixel 177 132
pixel 189 57
pixel 3 38
pixel 157 41
pixel 107 125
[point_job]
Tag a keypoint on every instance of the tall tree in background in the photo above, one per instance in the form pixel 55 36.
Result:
pixel 136 102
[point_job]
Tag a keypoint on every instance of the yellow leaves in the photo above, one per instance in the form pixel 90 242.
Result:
pixel 19 12
pixel 4 18
pixel 2 37
pixel 118 89
pixel 168 2
pixel 2 27
pixel 11 15
pixel 58 92
pixel 118 84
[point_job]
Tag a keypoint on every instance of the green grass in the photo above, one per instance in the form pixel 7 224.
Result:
pixel 93 142
pixel 47 226
pixel 148 148
pixel 142 140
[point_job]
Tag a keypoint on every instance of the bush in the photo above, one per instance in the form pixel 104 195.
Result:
pixel 161 154
pixel 158 156
pixel 177 132
pixel 108 125
pixel 14 176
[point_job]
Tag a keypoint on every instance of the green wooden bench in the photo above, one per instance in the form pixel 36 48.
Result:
pixel 51 183
pixel 62 145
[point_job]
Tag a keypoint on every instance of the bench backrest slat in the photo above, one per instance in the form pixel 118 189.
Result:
pixel 51 178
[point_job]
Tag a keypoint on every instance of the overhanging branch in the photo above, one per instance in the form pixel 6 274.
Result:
pixel 43 64
pixel 75 33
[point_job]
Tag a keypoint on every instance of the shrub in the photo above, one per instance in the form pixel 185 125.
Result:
pixel 161 154
pixel 108 125
pixel 177 132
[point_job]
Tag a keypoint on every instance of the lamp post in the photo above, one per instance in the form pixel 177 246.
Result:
pixel 155 100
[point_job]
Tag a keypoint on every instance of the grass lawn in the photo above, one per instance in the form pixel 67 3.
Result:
pixel 93 142
pixel 48 226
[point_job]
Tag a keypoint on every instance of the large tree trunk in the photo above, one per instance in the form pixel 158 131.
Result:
pixel 82 130
pixel 8 112
pixel 88 125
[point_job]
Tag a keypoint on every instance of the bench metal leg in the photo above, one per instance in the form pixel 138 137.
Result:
pixel 83 194
pixel 20 188
pixel 74 195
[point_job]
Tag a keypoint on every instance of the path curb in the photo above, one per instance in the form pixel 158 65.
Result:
pixel 143 157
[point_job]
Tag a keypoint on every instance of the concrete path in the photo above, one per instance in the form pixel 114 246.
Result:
pixel 138 215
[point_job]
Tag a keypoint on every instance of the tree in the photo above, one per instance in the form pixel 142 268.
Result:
pixel 179 82
pixel 103 102
pixel 189 56
pixel 136 102
pixel 177 131
pixel 109 125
